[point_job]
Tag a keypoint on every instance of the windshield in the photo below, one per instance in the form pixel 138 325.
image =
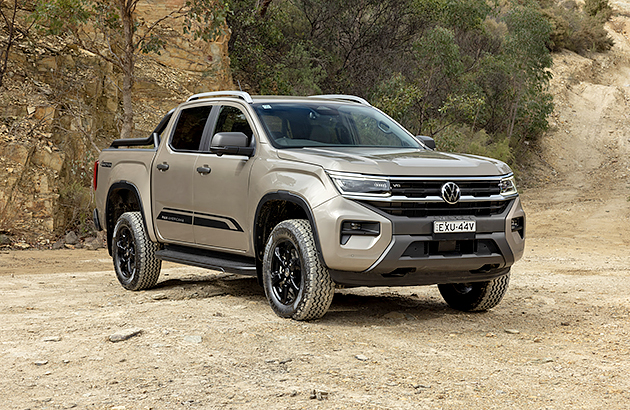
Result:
pixel 297 125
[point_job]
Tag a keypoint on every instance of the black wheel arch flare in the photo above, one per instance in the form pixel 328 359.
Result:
pixel 122 196
pixel 262 228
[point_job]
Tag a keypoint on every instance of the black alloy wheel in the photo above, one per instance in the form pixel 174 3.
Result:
pixel 126 252
pixel 286 273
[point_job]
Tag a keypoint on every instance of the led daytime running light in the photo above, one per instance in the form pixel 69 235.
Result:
pixel 508 186
pixel 360 186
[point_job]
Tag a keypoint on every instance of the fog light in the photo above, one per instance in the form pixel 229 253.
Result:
pixel 518 225
pixel 349 228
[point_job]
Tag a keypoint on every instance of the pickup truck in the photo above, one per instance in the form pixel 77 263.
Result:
pixel 306 194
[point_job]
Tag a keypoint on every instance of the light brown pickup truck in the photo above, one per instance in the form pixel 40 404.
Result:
pixel 307 193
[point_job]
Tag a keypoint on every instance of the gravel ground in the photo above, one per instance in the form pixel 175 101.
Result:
pixel 204 339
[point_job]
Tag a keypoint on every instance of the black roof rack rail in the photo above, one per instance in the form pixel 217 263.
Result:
pixel 342 97
pixel 238 94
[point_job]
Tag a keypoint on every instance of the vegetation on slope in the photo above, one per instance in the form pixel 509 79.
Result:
pixel 471 73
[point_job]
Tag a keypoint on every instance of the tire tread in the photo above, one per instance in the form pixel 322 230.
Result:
pixel 483 296
pixel 493 293
pixel 148 266
pixel 319 288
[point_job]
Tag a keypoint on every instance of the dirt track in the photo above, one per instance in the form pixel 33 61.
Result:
pixel 558 340
pixel 208 340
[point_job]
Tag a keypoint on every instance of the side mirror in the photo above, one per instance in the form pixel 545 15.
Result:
pixel 428 141
pixel 231 143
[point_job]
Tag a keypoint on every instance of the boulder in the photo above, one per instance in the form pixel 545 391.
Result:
pixel 71 238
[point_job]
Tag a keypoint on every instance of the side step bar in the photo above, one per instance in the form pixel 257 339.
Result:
pixel 224 262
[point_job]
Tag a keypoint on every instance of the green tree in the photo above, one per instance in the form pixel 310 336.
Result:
pixel 528 60
pixel 475 69
pixel 399 98
pixel 439 69
pixel 14 32
pixel 109 29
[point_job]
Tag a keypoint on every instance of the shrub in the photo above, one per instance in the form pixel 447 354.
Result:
pixel 398 97
pixel 76 200
pixel 75 203
pixel 600 9
pixel 576 31
pixel 462 139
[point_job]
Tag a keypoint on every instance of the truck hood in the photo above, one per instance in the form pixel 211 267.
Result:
pixel 397 162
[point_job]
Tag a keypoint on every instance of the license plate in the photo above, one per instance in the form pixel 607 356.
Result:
pixel 454 226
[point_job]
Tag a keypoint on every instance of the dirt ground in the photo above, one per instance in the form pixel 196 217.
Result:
pixel 557 341
pixel 209 340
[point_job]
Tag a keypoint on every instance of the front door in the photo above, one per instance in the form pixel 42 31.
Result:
pixel 221 188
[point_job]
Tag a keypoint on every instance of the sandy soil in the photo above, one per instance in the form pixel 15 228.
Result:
pixel 208 340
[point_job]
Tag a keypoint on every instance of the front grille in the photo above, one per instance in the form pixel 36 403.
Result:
pixel 424 209
pixel 481 198
pixel 423 189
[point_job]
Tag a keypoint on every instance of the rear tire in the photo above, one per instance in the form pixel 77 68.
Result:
pixel 133 252
pixel 475 296
pixel 296 281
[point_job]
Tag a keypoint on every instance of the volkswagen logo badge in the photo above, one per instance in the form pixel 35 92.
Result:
pixel 451 193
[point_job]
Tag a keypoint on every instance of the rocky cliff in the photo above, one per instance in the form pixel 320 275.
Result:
pixel 60 105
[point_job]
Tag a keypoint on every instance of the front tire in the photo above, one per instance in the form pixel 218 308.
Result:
pixel 133 252
pixel 296 281
pixel 475 296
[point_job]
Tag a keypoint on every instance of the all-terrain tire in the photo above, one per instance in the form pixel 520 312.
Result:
pixel 475 296
pixel 133 252
pixel 296 281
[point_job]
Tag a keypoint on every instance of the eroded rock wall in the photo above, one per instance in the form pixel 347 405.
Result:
pixel 60 105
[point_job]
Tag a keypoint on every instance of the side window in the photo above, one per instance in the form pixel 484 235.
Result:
pixel 232 119
pixel 189 129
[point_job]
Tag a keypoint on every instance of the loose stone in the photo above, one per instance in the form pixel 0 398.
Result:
pixel 124 335
pixel 193 339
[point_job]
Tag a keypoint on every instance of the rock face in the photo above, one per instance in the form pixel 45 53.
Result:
pixel 60 105
pixel 181 52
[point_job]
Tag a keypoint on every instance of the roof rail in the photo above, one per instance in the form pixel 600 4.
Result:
pixel 238 94
pixel 342 97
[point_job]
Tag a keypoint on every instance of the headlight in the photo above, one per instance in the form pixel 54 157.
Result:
pixel 358 185
pixel 508 186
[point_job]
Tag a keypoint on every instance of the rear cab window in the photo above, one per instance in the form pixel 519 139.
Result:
pixel 189 129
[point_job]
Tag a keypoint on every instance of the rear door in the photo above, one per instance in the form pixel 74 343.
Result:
pixel 221 188
pixel 172 175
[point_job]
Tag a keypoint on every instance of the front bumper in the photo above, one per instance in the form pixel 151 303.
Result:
pixel 416 256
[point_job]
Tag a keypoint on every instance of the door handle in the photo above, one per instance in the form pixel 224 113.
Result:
pixel 162 167
pixel 205 170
